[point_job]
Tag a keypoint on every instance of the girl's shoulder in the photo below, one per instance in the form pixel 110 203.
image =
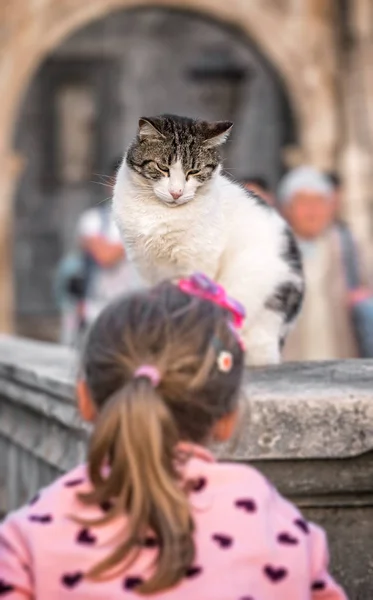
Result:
pixel 64 487
pixel 53 501
pixel 233 479
pixel 239 485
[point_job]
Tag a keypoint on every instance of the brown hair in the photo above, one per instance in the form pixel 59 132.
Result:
pixel 139 426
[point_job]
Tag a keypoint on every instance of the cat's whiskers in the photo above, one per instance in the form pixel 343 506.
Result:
pixel 108 199
pixel 108 185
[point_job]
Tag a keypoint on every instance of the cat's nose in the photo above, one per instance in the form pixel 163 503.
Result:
pixel 177 194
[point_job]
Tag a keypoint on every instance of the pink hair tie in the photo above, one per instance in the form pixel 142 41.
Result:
pixel 202 286
pixel 150 372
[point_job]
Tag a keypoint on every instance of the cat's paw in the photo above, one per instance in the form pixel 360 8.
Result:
pixel 262 340
pixel 261 362
pixel 261 356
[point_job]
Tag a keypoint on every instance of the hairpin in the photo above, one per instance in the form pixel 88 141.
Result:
pixel 224 361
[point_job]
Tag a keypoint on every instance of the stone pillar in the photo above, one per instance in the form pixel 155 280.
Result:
pixel 11 165
pixel 357 155
pixel 312 76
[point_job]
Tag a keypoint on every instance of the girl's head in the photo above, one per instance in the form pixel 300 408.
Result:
pixel 197 361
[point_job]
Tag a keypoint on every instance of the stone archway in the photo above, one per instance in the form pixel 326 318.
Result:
pixel 298 42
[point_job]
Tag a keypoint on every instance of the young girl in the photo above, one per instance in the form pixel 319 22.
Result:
pixel 152 512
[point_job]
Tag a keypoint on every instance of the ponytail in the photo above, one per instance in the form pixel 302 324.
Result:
pixel 136 436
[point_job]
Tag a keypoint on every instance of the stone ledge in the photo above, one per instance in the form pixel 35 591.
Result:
pixel 307 410
pixel 293 411
pixel 47 367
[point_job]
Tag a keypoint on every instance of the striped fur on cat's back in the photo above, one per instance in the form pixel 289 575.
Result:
pixel 178 214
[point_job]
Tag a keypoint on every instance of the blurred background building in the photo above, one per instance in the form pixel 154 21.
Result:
pixel 295 76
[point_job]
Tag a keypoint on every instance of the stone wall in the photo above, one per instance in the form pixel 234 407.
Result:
pixel 41 435
pixel 309 427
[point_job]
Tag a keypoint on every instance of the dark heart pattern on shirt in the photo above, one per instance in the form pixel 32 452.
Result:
pixel 317 586
pixel 43 519
pixel 5 588
pixel 224 541
pixel 247 598
pixel 130 583
pixel 275 574
pixel 198 484
pixel 193 571
pixel 34 500
pixel 287 538
pixel 247 504
pixel 70 580
pixel 302 525
pixel 86 537
pixel 74 482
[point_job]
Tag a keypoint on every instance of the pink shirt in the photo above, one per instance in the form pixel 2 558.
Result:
pixel 251 544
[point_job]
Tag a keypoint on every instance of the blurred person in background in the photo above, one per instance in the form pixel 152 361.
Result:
pixel 108 273
pixel 327 327
pixel 69 292
pixel 358 276
pixel 259 185
pixel 98 272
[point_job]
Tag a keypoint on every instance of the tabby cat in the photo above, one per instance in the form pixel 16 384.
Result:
pixel 179 214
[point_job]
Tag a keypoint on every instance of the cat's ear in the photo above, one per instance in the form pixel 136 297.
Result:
pixel 216 133
pixel 149 128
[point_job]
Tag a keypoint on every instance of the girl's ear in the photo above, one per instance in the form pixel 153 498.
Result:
pixel 86 406
pixel 224 429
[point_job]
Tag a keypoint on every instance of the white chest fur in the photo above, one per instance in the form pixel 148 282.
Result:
pixel 168 242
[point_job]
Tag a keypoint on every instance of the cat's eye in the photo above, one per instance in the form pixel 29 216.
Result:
pixel 193 172
pixel 163 168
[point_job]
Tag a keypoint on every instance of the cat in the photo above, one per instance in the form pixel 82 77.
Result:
pixel 179 214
